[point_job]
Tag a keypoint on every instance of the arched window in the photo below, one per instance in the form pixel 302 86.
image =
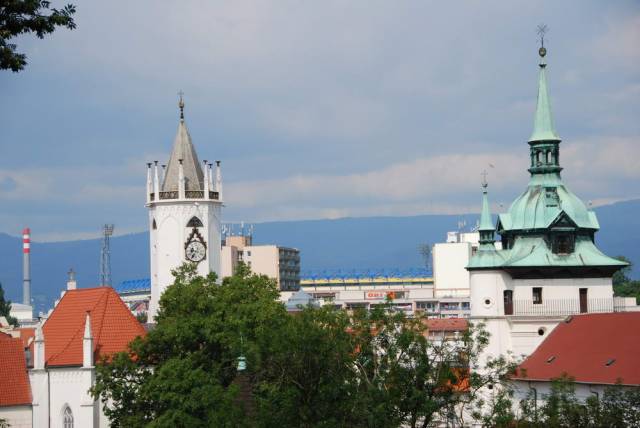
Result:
pixel 194 222
pixel 67 418
pixel 154 226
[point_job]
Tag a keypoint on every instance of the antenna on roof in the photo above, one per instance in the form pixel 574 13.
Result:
pixel 105 255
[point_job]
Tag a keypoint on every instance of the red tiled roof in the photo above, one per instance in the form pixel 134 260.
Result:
pixel 112 326
pixel 15 390
pixel 447 324
pixel 26 333
pixel 582 346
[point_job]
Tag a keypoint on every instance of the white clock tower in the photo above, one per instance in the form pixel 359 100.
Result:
pixel 185 202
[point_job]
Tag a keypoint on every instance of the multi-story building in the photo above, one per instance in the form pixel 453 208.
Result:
pixel 279 263
pixel 410 290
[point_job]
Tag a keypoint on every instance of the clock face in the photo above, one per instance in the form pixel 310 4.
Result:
pixel 196 251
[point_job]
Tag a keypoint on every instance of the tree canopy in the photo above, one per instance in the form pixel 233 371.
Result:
pixel 28 16
pixel 623 285
pixel 5 308
pixel 319 367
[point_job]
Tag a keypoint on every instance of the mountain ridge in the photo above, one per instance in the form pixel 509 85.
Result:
pixel 344 243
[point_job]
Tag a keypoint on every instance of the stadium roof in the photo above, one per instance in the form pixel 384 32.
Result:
pixel 134 285
pixel 320 274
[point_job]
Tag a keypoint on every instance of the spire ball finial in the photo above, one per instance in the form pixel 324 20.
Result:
pixel 542 52
pixel 542 30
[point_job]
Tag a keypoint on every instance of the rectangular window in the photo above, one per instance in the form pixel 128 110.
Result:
pixel 537 295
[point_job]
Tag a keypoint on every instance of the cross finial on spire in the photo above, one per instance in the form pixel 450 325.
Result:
pixel 484 179
pixel 181 105
pixel 542 30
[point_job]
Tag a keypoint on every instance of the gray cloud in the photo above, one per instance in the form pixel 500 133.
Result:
pixel 317 109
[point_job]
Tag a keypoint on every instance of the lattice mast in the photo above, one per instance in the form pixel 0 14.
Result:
pixel 105 255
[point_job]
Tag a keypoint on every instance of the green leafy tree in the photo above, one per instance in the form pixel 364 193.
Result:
pixel 617 407
pixel 181 373
pixel 28 16
pixel 5 308
pixel 623 285
pixel 407 378
pixel 307 377
pixel 319 367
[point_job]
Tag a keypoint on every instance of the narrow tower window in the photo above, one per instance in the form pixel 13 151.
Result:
pixel 194 222
pixel 154 226
pixel 67 418
pixel 508 302
pixel 537 295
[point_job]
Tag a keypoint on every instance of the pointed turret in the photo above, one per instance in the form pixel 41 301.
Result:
pixel 183 149
pixel 544 142
pixel 543 129
pixel 486 227
pixel 38 349
pixel 87 343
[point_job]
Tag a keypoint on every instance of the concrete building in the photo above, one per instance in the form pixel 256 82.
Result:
pixel 280 263
pixel 185 206
pixel 549 266
pixel 411 290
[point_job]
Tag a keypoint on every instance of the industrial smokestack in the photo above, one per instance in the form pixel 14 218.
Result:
pixel 26 266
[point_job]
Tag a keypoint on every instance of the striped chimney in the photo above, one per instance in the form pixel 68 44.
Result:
pixel 26 266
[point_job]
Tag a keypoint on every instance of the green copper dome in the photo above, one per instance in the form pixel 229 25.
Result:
pixel 545 202
pixel 547 228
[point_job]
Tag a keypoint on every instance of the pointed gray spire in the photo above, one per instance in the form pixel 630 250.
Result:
pixel 183 149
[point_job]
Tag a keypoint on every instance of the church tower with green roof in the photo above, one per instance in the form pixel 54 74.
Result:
pixel 548 265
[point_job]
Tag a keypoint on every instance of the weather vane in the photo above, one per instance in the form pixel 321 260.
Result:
pixel 181 104
pixel 484 179
pixel 542 30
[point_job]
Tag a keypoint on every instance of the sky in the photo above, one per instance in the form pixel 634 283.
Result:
pixel 316 109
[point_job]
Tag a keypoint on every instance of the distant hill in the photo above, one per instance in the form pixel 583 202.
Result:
pixel 367 242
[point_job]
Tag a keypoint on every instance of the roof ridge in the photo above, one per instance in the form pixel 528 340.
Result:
pixel 80 328
pixel 104 313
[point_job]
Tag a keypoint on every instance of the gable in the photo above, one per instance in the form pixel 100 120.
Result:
pixel 112 324
pixel 563 221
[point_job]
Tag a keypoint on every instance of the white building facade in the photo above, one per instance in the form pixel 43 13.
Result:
pixel 184 199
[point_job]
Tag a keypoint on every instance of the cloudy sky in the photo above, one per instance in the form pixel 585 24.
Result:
pixel 317 109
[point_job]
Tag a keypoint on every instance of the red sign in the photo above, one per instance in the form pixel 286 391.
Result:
pixel 379 295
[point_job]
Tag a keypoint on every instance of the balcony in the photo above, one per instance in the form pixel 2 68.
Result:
pixel 189 194
pixel 565 307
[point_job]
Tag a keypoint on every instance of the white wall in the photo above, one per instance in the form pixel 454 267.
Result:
pixel 21 312
pixel 450 275
pixel 167 241
pixel 17 416
pixel 228 259
pixel 520 334
pixel 263 259
pixel 55 388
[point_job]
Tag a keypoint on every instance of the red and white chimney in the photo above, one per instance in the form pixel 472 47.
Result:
pixel 26 266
